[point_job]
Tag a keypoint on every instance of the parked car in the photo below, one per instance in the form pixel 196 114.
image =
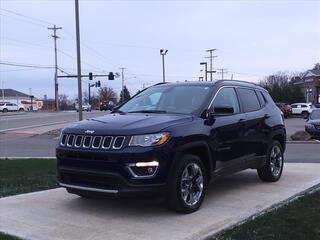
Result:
pixel 313 123
pixel 285 109
pixel 85 107
pixel 105 106
pixel 9 107
pixel 303 109
pixel 173 139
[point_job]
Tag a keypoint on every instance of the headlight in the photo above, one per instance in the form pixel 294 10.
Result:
pixel 309 126
pixel 149 139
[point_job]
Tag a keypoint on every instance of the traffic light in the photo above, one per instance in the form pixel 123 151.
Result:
pixel 90 76
pixel 111 76
pixel 98 84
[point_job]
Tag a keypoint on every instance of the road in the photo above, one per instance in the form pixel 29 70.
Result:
pixel 36 119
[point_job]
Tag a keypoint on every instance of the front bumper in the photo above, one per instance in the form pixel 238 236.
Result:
pixel 106 172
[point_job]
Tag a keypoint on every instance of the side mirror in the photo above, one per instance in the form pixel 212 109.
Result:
pixel 223 110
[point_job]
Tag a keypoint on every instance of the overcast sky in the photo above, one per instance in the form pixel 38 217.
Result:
pixel 252 38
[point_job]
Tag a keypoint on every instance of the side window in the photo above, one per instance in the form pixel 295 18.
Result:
pixel 249 99
pixel 227 97
pixel 294 106
pixel 262 100
pixel 304 106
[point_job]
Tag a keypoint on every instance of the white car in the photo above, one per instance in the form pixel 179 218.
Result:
pixel 303 109
pixel 85 107
pixel 6 107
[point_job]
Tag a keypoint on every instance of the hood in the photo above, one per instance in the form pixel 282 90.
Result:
pixel 127 124
pixel 314 122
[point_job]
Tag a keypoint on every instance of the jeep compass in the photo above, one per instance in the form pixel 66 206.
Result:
pixel 172 139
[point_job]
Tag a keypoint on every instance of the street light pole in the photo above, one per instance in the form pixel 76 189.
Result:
pixel 163 53
pixel 122 84
pixel 78 59
pixel 205 70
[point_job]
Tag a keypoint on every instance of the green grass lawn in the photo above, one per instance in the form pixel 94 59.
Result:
pixel 22 176
pixel 299 219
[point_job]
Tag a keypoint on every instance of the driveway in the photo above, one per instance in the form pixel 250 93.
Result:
pixel 57 215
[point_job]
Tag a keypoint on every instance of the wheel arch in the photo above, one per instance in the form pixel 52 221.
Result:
pixel 199 149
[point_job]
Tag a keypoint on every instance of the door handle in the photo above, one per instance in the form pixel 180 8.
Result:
pixel 241 120
pixel 266 116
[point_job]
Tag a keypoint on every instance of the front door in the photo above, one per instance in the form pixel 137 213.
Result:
pixel 227 131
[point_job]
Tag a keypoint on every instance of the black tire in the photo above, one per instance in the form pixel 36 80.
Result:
pixel 5 110
pixel 21 110
pixel 174 197
pixel 272 170
pixel 305 114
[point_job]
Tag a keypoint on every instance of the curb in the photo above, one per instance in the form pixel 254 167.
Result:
pixel 26 158
pixel 303 142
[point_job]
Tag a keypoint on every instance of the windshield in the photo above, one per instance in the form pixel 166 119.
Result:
pixel 168 99
pixel 315 115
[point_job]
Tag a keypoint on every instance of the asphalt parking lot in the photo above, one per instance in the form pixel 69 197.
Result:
pixel 57 215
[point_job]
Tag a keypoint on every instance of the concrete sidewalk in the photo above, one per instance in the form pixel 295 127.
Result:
pixel 55 214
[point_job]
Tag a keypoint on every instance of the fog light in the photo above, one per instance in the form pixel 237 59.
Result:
pixel 143 169
pixel 147 164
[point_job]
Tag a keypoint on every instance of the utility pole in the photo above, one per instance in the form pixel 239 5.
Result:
pixel 56 87
pixel 78 59
pixel 3 90
pixel 122 84
pixel 222 71
pixel 211 58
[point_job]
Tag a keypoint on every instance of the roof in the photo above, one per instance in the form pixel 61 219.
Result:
pixel 12 93
pixel 314 71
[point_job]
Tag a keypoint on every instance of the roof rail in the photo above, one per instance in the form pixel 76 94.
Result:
pixel 239 81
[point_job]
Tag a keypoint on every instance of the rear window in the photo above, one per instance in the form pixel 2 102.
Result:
pixel 1 104
pixel 249 99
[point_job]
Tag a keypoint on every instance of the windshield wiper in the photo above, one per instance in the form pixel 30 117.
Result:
pixel 149 111
pixel 117 111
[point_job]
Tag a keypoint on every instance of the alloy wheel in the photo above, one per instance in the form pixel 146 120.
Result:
pixel 191 184
pixel 276 160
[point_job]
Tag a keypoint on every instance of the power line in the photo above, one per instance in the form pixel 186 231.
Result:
pixel 25 65
pixel 27 17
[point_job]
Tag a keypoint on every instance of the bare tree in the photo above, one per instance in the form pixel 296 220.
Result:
pixel 282 89
pixel 107 94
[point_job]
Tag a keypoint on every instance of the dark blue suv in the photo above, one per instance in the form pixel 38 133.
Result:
pixel 173 139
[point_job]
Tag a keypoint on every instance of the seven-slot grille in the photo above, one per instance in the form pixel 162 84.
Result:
pixel 92 142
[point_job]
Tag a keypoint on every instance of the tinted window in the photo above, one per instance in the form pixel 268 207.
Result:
pixel 262 100
pixel 169 98
pixel 9 104
pixel 227 97
pixel 294 106
pixel 315 114
pixel 248 99
pixel 304 106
